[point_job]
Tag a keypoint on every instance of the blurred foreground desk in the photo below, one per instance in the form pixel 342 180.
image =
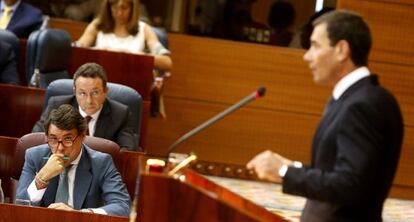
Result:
pixel 193 197
pixel 17 213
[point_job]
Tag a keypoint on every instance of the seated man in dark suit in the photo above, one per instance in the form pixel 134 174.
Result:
pixel 19 17
pixel 8 70
pixel 88 181
pixel 106 118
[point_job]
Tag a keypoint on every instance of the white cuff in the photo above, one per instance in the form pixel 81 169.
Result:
pixel 94 210
pixel 284 168
pixel 35 195
pixel 98 211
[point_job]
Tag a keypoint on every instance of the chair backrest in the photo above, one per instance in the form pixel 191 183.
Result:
pixel 35 139
pixel 123 94
pixel 12 39
pixel 47 55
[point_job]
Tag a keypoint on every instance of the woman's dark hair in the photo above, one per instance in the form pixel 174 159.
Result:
pixel 106 21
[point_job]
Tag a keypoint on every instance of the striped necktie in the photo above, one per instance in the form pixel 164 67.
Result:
pixel 5 17
pixel 87 119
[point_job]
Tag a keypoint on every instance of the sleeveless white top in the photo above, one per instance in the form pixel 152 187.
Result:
pixel 131 44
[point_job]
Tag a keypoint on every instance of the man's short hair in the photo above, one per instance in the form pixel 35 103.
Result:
pixel 91 70
pixel 351 27
pixel 65 117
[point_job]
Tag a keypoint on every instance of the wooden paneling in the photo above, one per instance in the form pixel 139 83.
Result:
pixel 391 26
pixel 225 71
pixel 237 137
pixel 399 79
pixel 74 28
pixel 408 2
pixel 21 109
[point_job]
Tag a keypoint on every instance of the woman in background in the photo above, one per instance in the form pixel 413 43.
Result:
pixel 118 28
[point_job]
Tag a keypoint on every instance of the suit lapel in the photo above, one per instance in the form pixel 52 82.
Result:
pixel 326 120
pixel 104 120
pixel 83 180
pixel 17 14
pixel 330 115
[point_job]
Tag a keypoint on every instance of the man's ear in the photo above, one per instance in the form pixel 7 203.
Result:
pixel 342 50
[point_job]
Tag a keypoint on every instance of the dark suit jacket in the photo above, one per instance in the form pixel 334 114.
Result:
pixel 355 154
pixel 25 20
pixel 97 184
pixel 8 69
pixel 114 121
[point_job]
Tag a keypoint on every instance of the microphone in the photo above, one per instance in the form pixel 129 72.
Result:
pixel 255 95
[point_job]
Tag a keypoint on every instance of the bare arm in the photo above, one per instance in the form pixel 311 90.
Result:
pixel 88 37
pixel 161 61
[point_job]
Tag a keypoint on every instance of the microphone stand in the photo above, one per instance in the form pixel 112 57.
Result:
pixel 255 95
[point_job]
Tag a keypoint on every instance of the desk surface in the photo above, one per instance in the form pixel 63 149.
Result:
pixel 270 196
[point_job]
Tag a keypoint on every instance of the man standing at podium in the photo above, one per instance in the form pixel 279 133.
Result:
pixel 66 174
pixel 357 144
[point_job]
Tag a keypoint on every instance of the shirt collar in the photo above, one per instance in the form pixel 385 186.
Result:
pixel 94 116
pixel 76 161
pixel 13 7
pixel 348 80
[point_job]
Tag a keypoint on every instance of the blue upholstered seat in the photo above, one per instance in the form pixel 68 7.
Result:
pixel 12 39
pixel 47 55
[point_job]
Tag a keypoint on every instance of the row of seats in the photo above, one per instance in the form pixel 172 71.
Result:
pixel 47 54
pixel 43 47
pixel 42 50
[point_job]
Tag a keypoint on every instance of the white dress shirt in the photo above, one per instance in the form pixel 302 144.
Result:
pixel 92 123
pixel 348 80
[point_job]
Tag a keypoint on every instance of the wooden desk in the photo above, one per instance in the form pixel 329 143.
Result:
pixel 17 213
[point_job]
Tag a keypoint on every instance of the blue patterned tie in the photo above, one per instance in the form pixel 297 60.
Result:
pixel 62 193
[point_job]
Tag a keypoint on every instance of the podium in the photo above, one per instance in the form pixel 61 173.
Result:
pixel 192 197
